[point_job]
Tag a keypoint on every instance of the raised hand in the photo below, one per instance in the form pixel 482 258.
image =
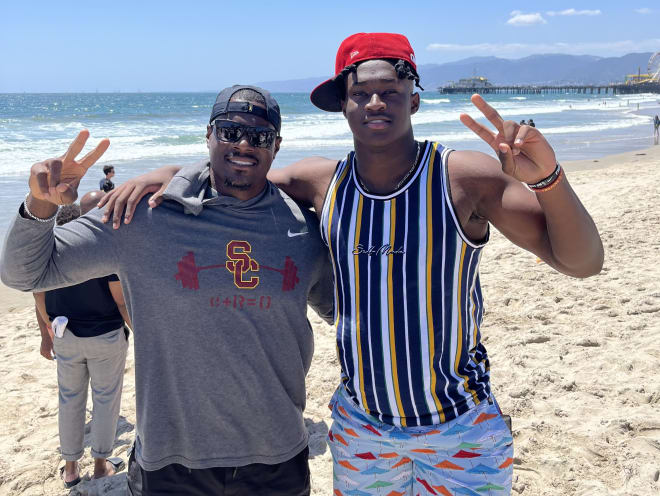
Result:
pixel 523 151
pixel 56 180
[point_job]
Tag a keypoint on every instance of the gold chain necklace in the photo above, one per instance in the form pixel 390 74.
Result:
pixel 398 185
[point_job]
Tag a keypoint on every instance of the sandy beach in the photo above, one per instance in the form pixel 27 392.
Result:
pixel 574 362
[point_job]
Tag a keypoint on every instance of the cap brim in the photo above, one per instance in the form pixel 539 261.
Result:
pixel 326 97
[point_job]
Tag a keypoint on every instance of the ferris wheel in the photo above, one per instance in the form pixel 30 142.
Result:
pixel 654 67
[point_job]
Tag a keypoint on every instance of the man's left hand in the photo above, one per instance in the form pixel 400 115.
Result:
pixel 523 151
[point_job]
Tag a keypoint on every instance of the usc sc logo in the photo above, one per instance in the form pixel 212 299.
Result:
pixel 240 263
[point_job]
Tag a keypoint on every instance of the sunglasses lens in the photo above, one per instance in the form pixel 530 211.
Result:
pixel 261 138
pixel 228 132
pixel 256 136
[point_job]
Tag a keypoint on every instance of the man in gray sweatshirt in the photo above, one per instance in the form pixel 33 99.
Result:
pixel 217 282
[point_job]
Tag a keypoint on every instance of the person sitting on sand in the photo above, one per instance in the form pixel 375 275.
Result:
pixel 531 123
pixel 93 347
pixel 406 222
pixel 217 282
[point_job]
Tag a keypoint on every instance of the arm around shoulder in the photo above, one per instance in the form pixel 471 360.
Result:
pixel 306 181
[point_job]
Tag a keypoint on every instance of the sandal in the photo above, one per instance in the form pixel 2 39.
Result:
pixel 72 483
pixel 117 463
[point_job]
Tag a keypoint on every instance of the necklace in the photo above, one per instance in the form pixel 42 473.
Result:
pixel 398 185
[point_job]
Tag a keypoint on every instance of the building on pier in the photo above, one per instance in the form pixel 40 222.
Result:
pixel 474 82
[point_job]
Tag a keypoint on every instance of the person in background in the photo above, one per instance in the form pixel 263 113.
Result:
pixel 656 128
pixel 523 122
pixel 93 348
pixel 106 184
pixel 531 123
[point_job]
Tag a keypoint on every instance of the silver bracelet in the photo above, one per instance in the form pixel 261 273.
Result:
pixel 34 217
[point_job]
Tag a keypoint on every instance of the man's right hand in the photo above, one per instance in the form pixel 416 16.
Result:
pixel 126 197
pixel 56 180
pixel 46 349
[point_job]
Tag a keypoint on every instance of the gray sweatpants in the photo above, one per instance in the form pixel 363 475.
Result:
pixel 100 359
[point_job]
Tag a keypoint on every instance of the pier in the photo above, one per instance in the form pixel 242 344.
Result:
pixel 648 82
pixel 614 88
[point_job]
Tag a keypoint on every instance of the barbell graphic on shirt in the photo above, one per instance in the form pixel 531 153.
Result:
pixel 188 272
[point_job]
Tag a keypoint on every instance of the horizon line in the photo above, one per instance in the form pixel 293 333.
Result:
pixel 320 78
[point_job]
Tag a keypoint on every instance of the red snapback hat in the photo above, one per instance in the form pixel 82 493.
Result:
pixel 357 48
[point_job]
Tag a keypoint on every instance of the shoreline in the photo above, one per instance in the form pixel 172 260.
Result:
pixel 649 153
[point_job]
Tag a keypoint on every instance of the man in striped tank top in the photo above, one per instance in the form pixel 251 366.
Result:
pixel 405 223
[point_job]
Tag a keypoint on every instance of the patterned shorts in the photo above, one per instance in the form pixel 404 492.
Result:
pixel 470 455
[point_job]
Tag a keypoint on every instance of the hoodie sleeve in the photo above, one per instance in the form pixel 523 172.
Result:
pixel 38 257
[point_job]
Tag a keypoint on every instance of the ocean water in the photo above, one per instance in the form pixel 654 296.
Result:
pixel 147 130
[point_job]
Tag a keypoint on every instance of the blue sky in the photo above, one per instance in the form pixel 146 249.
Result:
pixel 203 45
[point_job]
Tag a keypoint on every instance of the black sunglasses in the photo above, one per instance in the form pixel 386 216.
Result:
pixel 231 132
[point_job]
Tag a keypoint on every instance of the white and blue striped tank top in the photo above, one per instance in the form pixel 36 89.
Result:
pixel 408 304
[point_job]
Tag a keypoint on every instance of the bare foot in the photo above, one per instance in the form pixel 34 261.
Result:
pixel 105 470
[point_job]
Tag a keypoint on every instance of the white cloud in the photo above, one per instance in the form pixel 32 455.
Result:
pixel 520 19
pixel 517 50
pixel 573 12
pixel 643 11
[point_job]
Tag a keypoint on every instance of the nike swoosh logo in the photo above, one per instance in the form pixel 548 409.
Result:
pixel 294 234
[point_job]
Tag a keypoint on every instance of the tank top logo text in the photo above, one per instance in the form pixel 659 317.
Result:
pixel 377 250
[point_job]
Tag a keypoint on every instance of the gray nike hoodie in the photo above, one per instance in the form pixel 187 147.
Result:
pixel 217 291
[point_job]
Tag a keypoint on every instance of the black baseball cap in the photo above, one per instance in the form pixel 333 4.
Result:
pixel 222 105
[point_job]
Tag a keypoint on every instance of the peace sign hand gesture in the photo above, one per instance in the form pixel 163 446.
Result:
pixel 523 151
pixel 56 180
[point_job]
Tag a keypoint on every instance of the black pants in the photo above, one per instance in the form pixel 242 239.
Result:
pixel 290 478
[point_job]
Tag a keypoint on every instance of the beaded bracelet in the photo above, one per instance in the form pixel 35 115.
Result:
pixel 544 183
pixel 34 217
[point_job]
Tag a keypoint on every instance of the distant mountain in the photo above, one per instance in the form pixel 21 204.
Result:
pixel 535 69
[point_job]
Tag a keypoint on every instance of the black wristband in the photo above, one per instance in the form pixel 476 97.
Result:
pixel 548 180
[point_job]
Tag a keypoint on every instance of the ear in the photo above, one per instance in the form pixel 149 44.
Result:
pixel 414 103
